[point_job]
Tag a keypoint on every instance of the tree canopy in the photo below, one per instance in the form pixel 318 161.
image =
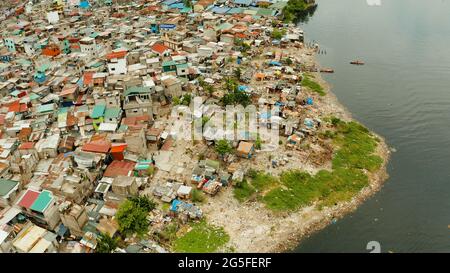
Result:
pixel 106 243
pixel 132 215
pixel 223 147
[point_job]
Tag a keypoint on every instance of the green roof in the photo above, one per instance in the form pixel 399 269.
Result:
pixel 6 186
pixel 63 110
pixel 278 5
pixel 264 12
pixel 112 112
pixel 137 90
pixel 182 65
pixel 15 93
pixel 46 108
pixel 41 203
pixel 24 62
pixel 98 111
pixel 34 96
pixel 224 26
pixel 43 68
pixel 169 63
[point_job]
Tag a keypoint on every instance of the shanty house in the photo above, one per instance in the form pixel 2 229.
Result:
pixel 8 192
pixel 245 149
pixel 41 207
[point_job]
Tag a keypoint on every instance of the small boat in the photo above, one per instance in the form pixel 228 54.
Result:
pixel 357 62
pixel 327 70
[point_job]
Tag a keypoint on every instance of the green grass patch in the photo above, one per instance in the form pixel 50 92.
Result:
pixel 243 191
pixel 202 238
pixel 357 146
pixel 312 85
pixel 198 196
pixel 295 189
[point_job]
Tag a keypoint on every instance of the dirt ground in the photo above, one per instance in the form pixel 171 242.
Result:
pixel 251 226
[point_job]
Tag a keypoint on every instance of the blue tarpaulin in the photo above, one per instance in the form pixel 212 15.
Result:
pixel 84 4
pixel 242 88
pixel 177 6
pixel 170 2
pixel 266 115
pixel 274 63
pixel 309 101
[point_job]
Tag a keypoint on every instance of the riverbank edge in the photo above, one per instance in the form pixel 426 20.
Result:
pixel 327 215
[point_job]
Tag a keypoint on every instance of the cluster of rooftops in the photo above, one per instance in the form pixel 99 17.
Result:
pixel 85 92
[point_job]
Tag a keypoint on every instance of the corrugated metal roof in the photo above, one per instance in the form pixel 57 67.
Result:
pixel 28 199
pixel 6 186
pixel 42 202
pixel 98 111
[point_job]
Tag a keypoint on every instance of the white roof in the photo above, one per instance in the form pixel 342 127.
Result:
pixel 41 246
pixel 28 238
pixel 3 235
pixel 107 127
pixel 184 190
pixel 8 215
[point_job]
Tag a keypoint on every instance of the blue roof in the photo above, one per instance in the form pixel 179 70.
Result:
pixel 243 2
pixel 220 10
pixel 177 6
pixel 275 63
pixel 235 10
pixel 84 4
pixel 170 2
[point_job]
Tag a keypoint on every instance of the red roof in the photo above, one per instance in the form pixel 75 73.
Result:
pixel 14 107
pixel 88 78
pixel 23 107
pixel 68 90
pixel 100 146
pixel 116 55
pixel 117 168
pixel 26 145
pixel 28 199
pixel 118 147
pixel 160 48
pixel 135 120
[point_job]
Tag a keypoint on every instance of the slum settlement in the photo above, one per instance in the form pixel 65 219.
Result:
pixel 92 157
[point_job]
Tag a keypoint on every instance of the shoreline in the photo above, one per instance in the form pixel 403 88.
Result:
pixel 263 230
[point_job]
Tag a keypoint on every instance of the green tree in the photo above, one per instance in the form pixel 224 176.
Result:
pixel 230 84
pixel 186 99
pixel 176 101
pixel 106 243
pixel 223 147
pixel 188 3
pixel 143 202
pixel 132 215
pixel 278 34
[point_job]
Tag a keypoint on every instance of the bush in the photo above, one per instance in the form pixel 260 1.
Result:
pixel 132 219
pixel 347 178
pixel 223 147
pixel 106 243
pixel 312 85
pixel 132 215
pixel 202 238
pixel 243 191
pixel 197 196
